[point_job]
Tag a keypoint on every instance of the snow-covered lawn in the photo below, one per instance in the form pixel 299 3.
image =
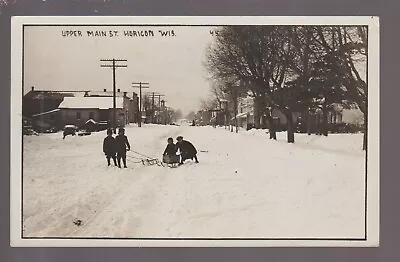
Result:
pixel 244 186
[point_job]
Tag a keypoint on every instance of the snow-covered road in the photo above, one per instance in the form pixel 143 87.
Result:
pixel 244 186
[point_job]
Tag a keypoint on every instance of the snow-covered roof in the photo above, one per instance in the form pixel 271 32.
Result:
pixel 110 93
pixel 91 102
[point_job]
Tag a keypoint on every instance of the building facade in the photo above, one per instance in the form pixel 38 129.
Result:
pixel 39 101
pixel 78 110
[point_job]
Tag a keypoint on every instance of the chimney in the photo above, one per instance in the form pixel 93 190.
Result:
pixel 32 88
pixel 118 90
pixel 125 94
pixel 105 90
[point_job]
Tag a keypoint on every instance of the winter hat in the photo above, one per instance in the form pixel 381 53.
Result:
pixel 179 138
pixel 109 131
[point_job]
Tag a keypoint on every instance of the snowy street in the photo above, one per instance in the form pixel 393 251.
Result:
pixel 245 186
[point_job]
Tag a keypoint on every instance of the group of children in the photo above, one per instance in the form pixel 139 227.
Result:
pixel 186 149
pixel 116 148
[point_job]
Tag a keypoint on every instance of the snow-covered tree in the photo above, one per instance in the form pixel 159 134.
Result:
pixel 292 68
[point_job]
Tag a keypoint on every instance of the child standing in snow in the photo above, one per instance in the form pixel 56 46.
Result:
pixel 109 147
pixel 122 145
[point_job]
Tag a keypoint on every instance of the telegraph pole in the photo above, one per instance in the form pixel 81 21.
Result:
pixel 159 108
pixel 152 110
pixel 114 66
pixel 164 112
pixel 154 96
pixel 140 85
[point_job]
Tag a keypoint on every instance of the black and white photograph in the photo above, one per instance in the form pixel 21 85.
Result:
pixel 195 131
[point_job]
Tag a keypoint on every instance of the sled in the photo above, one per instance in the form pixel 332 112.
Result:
pixel 151 162
pixel 171 161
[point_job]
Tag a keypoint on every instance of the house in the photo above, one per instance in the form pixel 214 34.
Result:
pixel 337 115
pixel 246 119
pixel 38 101
pixel 78 110
pixel 245 116
pixel 203 117
pixel 131 103
pixel 54 109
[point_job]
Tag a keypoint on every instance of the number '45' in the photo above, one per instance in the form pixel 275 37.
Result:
pixel 216 33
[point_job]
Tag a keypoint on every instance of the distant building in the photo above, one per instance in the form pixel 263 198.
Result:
pixel 134 109
pixel 203 117
pixel 54 109
pixel 245 116
pixel 39 102
pixel 131 102
pixel 78 110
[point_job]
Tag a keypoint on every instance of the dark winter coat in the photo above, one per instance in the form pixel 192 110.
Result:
pixel 122 143
pixel 170 150
pixel 186 148
pixel 109 145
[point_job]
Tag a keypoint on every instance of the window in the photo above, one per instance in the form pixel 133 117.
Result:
pixel 91 115
pixel 78 115
pixel 339 118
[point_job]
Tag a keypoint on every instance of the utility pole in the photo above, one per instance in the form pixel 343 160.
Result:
pixel 154 96
pixel 159 108
pixel 152 110
pixel 140 85
pixel 114 66
pixel 164 112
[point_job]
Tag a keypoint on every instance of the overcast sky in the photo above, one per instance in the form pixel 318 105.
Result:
pixel 173 65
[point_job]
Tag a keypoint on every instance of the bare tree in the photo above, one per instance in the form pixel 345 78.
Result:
pixel 248 54
pixel 346 50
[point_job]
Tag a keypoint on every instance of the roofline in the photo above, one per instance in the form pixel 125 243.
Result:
pixel 47 112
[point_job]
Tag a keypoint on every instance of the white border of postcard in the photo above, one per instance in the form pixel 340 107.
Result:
pixel 16 130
